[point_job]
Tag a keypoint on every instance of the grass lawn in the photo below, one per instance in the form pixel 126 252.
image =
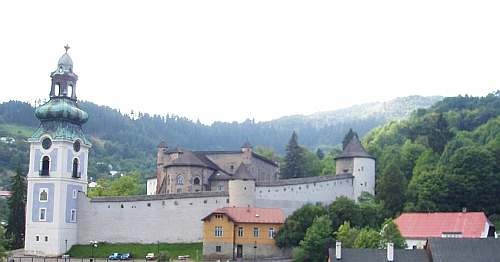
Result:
pixel 139 251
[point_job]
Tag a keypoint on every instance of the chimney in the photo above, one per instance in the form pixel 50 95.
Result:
pixel 338 250
pixel 390 252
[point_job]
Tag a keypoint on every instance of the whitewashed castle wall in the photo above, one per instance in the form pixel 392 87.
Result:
pixel 169 220
pixel 292 197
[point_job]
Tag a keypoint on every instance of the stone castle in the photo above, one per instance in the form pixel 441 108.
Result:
pixel 187 187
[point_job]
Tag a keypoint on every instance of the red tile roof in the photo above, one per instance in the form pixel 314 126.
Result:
pixel 423 225
pixel 252 215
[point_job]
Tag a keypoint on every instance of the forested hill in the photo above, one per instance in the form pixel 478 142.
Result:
pixel 130 143
pixel 443 158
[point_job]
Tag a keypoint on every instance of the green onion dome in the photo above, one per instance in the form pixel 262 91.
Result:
pixel 62 109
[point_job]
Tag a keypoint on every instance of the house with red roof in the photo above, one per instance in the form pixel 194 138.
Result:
pixel 242 233
pixel 417 228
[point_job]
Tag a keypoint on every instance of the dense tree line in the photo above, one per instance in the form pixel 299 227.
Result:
pixel 444 158
pixel 314 228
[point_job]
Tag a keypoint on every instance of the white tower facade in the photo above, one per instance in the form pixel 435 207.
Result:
pixel 241 188
pixel 58 168
pixel 355 161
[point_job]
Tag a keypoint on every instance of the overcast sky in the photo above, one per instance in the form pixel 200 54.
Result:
pixel 232 60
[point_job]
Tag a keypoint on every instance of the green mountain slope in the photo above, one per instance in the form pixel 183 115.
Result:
pixel 125 144
pixel 446 157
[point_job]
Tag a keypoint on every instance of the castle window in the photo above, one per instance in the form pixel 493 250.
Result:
pixel 43 215
pixel 255 232
pixel 204 201
pixel 180 180
pixel 43 195
pixel 73 215
pixel 240 231
pixel 271 233
pixel 121 205
pixel 218 231
pixel 45 166
pixel 149 204
pixel 37 238
pixel 220 187
pixel 218 249
pixel 75 193
pixel 75 173
pixel 196 181
pixel 219 216
pixel 46 238
pixel 57 88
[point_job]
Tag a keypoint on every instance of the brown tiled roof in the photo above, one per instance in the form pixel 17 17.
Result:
pixel 354 149
pixel 252 215
pixel 304 180
pixel 160 197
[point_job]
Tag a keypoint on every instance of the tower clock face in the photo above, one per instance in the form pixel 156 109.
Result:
pixel 46 143
pixel 76 146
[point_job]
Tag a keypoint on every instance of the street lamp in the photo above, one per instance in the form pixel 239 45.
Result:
pixel 93 244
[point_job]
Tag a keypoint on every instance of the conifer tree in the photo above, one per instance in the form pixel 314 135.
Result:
pixel 348 137
pixel 17 206
pixel 294 165
pixel 320 154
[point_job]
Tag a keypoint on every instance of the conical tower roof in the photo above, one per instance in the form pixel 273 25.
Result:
pixel 354 149
pixel 242 173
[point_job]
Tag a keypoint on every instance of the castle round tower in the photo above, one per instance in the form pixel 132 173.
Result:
pixel 355 161
pixel 241 188
pixel 57 168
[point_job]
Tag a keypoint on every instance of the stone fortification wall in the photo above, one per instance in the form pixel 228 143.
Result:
pixel 176 218
pixel 146 219
pixel 291 194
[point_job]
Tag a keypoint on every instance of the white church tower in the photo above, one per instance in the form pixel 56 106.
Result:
pixel 57 168
pixel 354 160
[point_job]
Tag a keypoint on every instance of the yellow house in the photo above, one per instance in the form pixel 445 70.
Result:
pixel 241 232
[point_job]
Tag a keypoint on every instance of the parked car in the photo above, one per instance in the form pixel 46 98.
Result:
pixel 126 256
pixel 115 256
pixel 150 256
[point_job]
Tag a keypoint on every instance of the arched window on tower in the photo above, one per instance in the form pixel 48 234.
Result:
pixel 180 180
pixel 196 181
pixel 70 90
pixel 45 166
pixel 75 173
pixel 57 89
